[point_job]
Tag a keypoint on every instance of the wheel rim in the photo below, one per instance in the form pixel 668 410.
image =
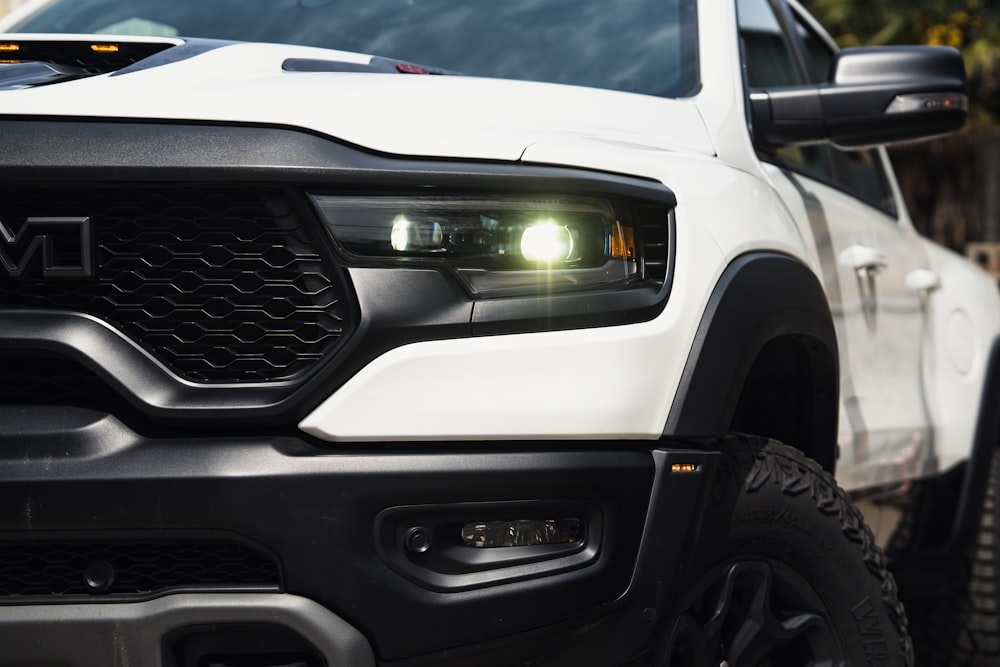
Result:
pixel 754 613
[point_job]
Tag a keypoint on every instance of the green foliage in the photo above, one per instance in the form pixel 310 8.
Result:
pixel 973 26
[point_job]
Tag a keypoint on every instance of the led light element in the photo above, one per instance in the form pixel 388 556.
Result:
pixel 928 102
pixel 496 245
pixel 522 533
pixel 9 48
pixel 104 48
pixel 407 235
pixel 547 242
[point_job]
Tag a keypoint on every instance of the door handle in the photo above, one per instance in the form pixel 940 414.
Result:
pixel 923 281
pixel 866 261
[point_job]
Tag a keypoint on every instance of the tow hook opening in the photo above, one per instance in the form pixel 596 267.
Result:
pixel 239 645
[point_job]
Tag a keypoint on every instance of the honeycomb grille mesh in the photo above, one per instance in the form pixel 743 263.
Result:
pixel 30 379
pixel 221 284
pixel 133 568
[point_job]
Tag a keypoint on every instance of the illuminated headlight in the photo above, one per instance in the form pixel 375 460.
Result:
pixel 547 241
pixel 497 245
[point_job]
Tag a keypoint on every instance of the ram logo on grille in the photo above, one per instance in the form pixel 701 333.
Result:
pixel 62 245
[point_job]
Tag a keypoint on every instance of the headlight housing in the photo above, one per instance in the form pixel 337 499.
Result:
pixel 497 245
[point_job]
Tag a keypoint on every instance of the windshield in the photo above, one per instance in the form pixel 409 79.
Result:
pixel 644 46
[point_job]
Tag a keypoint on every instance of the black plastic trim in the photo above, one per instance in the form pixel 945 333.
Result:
pixel 116 546
pixel 597 308
pixel 396 305
pixel 760 297
pixel 977 471
pixel 448 566
pixel 75 58
pixel 316 510
pixel 314 65
pixel 189 49
pixel 948 507
pixel 34 73
pixel 124 366
pixel 375 65
pixel 99 150
pixel 628 628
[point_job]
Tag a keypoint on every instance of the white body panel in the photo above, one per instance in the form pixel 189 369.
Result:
pixel 433 116
pixel 954 362
pixel 881 324
pixel 600 383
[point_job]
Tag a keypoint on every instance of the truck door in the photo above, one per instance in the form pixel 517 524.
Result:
pixel 873 265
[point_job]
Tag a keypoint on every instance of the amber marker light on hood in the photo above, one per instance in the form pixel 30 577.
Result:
pixel 104 48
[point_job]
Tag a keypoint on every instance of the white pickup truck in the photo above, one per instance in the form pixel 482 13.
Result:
pixel 423 332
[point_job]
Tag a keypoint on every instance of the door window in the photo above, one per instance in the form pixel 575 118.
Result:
pixel 772 58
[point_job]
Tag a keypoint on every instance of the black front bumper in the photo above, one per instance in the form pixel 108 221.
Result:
pixel 333 522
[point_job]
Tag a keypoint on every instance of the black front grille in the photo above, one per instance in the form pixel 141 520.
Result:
pixel 27 378
pixel 220 284
pixel 35 568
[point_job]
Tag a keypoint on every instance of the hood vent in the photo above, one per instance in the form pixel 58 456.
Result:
pixel 376 64
pixel 29 63
pixel 32 73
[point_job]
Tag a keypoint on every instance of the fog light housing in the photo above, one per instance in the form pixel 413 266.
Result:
pixel 522 533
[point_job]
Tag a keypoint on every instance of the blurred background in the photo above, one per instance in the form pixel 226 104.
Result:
pixel 7 5
pixel 951 185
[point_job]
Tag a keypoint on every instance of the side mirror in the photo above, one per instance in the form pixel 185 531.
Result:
pixel 875 96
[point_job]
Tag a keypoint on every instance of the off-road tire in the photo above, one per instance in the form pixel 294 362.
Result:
pixel 810 571
pixel 962 628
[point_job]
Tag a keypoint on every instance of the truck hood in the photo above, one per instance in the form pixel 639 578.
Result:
pixel 357 99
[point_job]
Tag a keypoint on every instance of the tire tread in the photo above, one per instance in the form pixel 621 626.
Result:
pixel 963 629
pixel 795 474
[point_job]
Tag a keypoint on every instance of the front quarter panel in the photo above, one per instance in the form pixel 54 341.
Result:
pixel 594 383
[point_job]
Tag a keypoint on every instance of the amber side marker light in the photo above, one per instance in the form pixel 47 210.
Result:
pixel 9 48
pixel 104 48
pixel 684 467
pixel 623 243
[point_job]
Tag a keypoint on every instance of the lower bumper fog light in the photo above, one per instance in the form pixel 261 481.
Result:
pixel 522 533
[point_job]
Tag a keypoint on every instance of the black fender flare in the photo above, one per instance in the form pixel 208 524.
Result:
pixel 987 440
pixel 760 297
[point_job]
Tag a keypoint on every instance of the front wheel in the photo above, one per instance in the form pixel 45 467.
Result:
pixel 796 577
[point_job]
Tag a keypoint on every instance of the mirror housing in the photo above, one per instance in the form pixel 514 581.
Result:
pixel 875 96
